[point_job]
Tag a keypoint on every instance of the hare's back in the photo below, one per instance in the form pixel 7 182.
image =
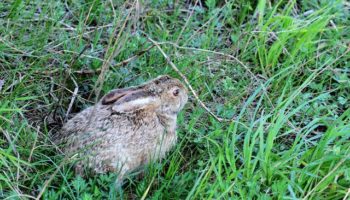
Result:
pixel 82 126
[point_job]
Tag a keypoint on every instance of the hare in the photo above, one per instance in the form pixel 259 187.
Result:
pixel 127 128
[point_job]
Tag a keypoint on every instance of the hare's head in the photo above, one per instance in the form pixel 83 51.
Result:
pixel 163 95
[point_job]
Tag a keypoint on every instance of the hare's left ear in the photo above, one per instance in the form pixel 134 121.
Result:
pixel 116 94
pixel 132 101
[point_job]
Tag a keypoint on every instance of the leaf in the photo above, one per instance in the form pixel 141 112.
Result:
pixel 342 100
pixel 211 4
pixel 79 184
pixel 87 196
pixel 261 10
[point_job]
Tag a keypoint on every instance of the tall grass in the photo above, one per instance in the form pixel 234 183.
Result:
pixel 287 97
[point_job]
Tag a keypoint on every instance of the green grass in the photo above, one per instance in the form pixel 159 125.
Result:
pixel 288 137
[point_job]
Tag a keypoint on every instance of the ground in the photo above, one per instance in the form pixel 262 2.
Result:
pixel 277 73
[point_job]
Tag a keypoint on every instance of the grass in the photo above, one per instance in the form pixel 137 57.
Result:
pixel 287 97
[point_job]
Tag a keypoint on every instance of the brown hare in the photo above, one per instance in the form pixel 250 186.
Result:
pixel 126 129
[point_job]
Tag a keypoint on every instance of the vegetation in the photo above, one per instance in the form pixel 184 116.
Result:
pixel 278 72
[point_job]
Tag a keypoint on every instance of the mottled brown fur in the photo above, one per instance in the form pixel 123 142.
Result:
pixel 127 128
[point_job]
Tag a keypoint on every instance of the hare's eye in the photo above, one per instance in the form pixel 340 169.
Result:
pixel 176 92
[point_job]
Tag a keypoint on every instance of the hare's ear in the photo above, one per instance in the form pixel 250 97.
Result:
pixel 136 100
pixel 116 94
